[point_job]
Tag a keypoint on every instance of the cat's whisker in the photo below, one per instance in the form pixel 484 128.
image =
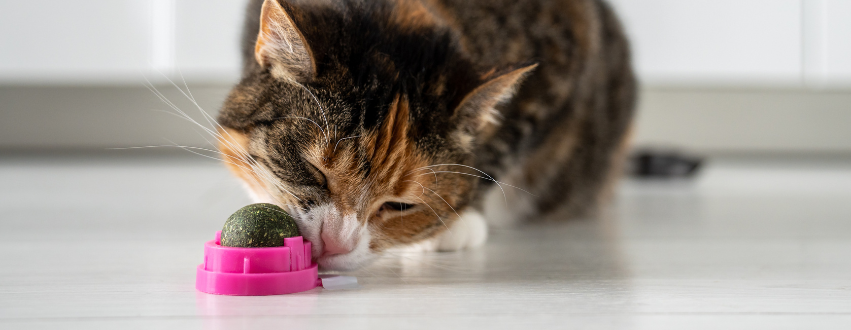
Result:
pixel 169 102
pixel 275 210
pixel 338 142
pixel 416 169
pixel 202 136
pixel 190 148
pixel 245 157
pixel 438 195
pixel 327 139
pixel 489 179
pixel 499 184
pixel 178 112
pixel 270 178
pixel 188 94
pixel 244 154
pixel 204 113
pixel 178 146
pixel 409 173
pixel 256 168
pixel 179 72
pixel 438 215
pixel 324 135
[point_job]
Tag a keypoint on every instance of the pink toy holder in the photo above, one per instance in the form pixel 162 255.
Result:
pixel 257 271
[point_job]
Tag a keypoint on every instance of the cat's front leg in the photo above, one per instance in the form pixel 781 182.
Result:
pixel 469 231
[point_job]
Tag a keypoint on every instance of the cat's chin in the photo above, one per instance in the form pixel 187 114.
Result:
pixel 360 256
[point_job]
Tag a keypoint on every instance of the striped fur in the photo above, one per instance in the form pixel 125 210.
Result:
pixel 381 123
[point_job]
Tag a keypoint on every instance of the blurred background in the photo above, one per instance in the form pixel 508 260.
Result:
pixel 718 76
pixel 96 236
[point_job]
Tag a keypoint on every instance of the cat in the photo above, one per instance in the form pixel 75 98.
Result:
pixel 388 124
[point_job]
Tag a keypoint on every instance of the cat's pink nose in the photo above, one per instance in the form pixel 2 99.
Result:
pixel 333 245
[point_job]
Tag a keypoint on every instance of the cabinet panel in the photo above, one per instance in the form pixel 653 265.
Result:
pixel 828 43
pixel 715 42
pixel 839 41
pixel 207 38
pixel 50 41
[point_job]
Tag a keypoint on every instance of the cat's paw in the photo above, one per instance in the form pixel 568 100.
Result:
pixel 469 231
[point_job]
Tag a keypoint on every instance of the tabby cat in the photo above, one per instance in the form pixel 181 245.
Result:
pixel 387 124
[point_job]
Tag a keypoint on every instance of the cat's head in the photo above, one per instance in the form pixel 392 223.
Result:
pixel 347 117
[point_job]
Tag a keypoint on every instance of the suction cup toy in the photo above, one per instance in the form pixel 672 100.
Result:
pixel 257 271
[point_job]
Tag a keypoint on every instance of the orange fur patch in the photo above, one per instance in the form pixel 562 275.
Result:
pixel 390 151
pixel 395 175
pixel 234 147
pixel 413 14
pixel 397 169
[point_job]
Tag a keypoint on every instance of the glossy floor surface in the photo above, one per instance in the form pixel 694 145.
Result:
pixel 112 243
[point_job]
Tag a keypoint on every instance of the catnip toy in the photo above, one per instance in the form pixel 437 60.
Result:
pixel 259 252
pixel 258 225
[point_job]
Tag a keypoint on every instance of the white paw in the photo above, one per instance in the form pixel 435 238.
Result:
pixel 469 231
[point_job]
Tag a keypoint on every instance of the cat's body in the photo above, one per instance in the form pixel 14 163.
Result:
pixel 379 124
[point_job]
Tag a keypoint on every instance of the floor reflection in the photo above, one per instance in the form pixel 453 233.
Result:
pixel 586 250
pixel 240 312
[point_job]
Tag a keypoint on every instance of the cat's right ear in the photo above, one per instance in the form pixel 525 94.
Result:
pixel 281 47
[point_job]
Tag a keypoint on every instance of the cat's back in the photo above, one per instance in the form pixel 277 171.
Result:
pixel 564 132
pixel 551 32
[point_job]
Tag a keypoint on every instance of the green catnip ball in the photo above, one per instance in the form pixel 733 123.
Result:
pixel 258 225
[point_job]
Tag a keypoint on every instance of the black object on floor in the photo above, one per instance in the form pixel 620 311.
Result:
pixel 663 164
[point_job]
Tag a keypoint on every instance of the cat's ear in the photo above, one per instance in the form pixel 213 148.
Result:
pixel 281 46
pixel 478 108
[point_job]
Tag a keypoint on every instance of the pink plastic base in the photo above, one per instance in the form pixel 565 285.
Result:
pixel 257 271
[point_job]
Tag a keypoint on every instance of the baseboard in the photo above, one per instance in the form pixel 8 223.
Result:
pixel 735 121
pixel 709 121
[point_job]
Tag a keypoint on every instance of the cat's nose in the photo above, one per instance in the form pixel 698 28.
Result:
pixel 334 245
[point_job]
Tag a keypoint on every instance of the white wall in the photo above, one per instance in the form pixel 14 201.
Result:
pixel 118 41
pixel 827 36
pixel 677 43
pixel 715 42
pixel 740 43
pixel 207 38
pixel 72 41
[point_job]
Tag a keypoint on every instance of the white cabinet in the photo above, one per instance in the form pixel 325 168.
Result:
pixel 207 36
pixel 694 43
pixel 827 35
pixel 119 41
pixel 715 42
pixel 50 41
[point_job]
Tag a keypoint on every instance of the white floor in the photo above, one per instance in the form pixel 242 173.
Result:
pixel 750 244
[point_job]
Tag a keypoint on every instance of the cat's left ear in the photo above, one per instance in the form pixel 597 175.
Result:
pixel 281 46
pixel 478 108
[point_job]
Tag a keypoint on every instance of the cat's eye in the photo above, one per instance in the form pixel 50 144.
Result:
pixel 396 206
pixel 316 173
